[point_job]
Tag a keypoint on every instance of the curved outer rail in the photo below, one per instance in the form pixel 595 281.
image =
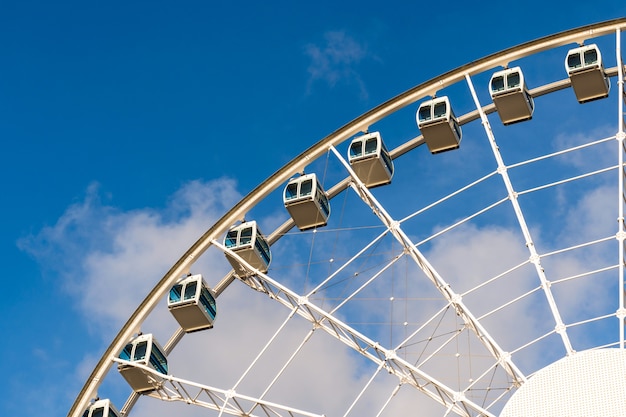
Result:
pixel 361 123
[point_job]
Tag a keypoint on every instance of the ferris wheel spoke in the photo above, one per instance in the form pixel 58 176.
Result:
pixel 534 256
pixel 621 227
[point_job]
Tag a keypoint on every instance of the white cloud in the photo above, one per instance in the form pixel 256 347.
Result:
pixel 108 259
pixel 336 61
pixel 595 155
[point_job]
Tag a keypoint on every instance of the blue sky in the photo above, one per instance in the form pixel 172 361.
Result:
pixel 153 116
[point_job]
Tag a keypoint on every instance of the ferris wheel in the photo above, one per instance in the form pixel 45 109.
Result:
pixel 457 250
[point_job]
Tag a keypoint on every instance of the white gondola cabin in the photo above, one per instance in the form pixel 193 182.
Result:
pixel 586 72
pixel 192 303
pixel 439 125
pixel 101 408
pixel 247 241
pixel 370 160
pixel 143 350
pixel 306 202
pixel 510 95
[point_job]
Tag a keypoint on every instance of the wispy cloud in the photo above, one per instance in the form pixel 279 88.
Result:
pixel 336 61
pixel 107 259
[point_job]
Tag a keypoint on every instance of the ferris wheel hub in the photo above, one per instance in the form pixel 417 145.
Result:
pixel 588 383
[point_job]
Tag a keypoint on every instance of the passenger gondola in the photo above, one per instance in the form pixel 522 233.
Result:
pixel 143 350
pixel 510 96
pixel 306 202
pixel 101 408
pixel 247 241
pixel 586 73
pixel 370 160
pixel 439 125
pixel 192 303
